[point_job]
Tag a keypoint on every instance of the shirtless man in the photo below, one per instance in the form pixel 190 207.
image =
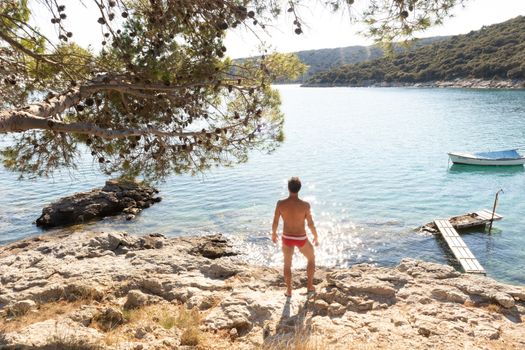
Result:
pixel 294 212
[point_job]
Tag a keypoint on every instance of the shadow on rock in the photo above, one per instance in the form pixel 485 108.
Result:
pixel 290 329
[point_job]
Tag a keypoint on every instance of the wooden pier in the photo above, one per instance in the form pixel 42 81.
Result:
pixel 458 247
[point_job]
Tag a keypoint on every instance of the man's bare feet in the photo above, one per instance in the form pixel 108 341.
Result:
pixel 309 292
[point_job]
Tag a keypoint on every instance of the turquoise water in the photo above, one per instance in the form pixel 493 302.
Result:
pixel 373 164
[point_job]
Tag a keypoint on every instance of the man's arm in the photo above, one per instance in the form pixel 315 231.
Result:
pixel 311 225
pixel 275 223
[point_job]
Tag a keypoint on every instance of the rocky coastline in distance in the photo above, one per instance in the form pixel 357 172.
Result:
pixel 99 290
pixel 460 83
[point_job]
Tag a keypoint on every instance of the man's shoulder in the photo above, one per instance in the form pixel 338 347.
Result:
pixel 306 204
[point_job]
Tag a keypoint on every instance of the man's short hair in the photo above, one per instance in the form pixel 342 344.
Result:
pixel 294 184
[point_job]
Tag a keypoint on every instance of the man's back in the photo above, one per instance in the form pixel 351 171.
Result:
pixel 294 211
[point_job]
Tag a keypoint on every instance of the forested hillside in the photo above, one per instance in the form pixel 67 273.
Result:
pixel 493 52
pixel 324 59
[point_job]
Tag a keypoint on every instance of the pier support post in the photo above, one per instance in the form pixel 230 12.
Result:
pixel 494 208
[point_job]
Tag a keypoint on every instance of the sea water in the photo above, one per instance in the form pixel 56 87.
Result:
pixel 374 166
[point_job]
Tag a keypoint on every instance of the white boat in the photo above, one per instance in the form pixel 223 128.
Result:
pixel 507 157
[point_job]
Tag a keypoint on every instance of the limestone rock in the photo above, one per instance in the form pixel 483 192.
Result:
pixel 331 295
pixel 504 300
pixel 203 301
pixel 234 334
pixel 231 316
pixel 21 307
pixel 483 289
pixel 449 294
pixel 48 293
pixel 336 310
pixel 110 318
pixel 136 299
pixel 214 247
pixel 82 290
pixel 417 268
pixel 53 334
pixel 398 320
pixel 120 243
pixel 426 326
pixel 141 332
pixel 221 268
pixel 320 307
pixel 241 311
pixel 518 293
pixel 85 315
pixel 487 332
pixel 365 305
pixel 361 285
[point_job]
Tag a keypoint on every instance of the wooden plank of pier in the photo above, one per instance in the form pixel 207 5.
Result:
pixel 486 214
pixel 458 247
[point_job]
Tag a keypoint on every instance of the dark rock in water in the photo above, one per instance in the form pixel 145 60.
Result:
pixel 116 197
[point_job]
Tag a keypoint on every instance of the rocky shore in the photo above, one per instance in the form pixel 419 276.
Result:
pixel 476 84
pixel 464 83
pixel 94 290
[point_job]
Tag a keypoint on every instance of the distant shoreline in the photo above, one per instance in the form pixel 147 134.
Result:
pixel 470 83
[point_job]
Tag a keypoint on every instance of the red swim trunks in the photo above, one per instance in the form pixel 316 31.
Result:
pixel 294 241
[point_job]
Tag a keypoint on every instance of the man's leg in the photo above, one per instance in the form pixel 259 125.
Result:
pixel 308 251
pixel 288 254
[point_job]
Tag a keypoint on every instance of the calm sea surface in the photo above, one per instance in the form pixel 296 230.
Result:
pixel 374 166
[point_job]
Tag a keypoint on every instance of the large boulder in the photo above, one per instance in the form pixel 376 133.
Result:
pixel 213 247
pixel 116 197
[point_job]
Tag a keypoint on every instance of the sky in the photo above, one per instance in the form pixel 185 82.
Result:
pixel 328 30
pixel 323 29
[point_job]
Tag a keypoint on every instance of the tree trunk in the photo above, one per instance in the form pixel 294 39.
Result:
pixel 19 121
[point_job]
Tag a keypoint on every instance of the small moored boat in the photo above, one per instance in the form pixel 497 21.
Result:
pixel 507 157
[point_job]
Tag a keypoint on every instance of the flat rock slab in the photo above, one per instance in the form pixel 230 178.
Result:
pixel 213 247
pixel 116 197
